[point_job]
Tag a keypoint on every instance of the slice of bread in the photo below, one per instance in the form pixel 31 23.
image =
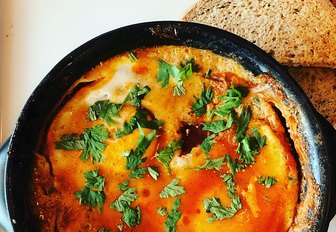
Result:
pixel 319 84
pixel 295 32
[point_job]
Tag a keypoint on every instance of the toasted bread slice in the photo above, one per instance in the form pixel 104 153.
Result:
pixel 320 86
pixel 296 32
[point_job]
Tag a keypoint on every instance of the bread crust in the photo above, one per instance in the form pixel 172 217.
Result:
pixel 296 33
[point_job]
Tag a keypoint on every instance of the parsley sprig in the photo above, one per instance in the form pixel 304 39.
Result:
pixel 200 104
pixel 134 158
pixel 141 118
pixel 173 216
pixel 131 216
pixel 105 110
pixel 166 154
pixel 91 142
pixel 231 100
pixel 166 70
pixel 172 189
pixel 93 192
pixel 212 164
pixel 267 181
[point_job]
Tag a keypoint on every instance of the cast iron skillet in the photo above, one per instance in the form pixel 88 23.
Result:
pixel 46 97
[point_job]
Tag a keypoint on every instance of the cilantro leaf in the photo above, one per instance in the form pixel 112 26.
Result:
pixel 103 229
pixel 166 155
pixel 260 140
pixel 199 106
pixel 246 153
pixel 172 189
pixel 212 164
pixel 91 142
pixel 232 99
pixel 228 178
pixel 267 181
pixel 154 172
pixel 217 126
pixel 104 110
pixel 132 56
pixel 132 217
pixel 207 143
pixel 124 185
pixel 70 142
pixel 243 122
pixel 94 145
pixel 124 200
pixel 173 216
pixel 166 70
pixel 134 159
pixel 220 212
pixel 140 118
pixel 162 211
pixel 232 165
pixel 208 73
pixel 136 95
pixel 93 192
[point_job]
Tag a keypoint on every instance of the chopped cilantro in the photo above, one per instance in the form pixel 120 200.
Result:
pixel 208 73
pixel 134 159
pixel 232 99
pixel 132 217
pixel 104 110
pixel 267 181
pixel 260 140
pixel 232 165
pixel 208 142
pixel 291 179
pixel 162 211
pixel 124 200
pixel 200 105
pixel 166 70
pixel 220 212
pixel 124 185
pixel 91 142
pixel 243 122
pixel 172 189
pixel 132 56
pixel 154 172
pixel 93 192
pixel 166 155
pixel 103 229
pixel 140 118
pixel 217 126
pixel 228 178
pixel 70 142
pixel 212 164
pixel 136 95
pixel 173 216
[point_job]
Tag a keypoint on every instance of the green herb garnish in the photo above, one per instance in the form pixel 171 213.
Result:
pixel 166 70
pixel 93 192
pixel 91 142
pixel 212 164
pixel 200 105
pixel 124 185
pixel 132 56
pixel 134 159
pixel 166 155
pixel 172 189
pixel 136 95
pixel 103 229
pixel 232 99
pixel 104 110
pixel 208 142
pixel 173 216
pixel 267 181
pixel 220 212
pixel 154 172
pixel 228 179
pixel 140 118
pixel 162 211
pixel 243 122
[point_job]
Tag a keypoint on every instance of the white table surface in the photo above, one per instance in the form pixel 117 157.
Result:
pixel 36 34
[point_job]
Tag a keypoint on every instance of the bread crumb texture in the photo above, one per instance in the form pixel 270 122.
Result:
pixel 320 86
pixel 295 32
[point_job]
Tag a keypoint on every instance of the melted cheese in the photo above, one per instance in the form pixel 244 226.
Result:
pixel 263 209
